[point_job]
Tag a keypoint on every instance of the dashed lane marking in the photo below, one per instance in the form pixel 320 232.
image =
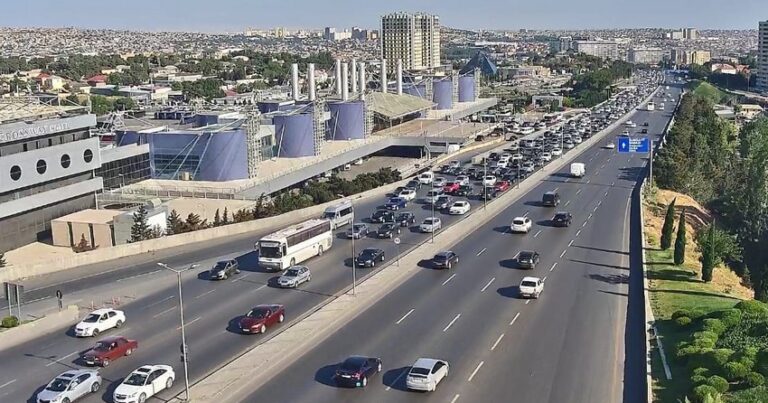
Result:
pixel 455 398
pixel 537 234
pixel 570 243
pixel 7 383
pixel 190 322
pixel 159 302
pixel 458 315
pixel 493 347
pixel 60 359
pixel 449 279
pixel 517 315
pixel 481 252
pixel 164 312
pixel 488 285
pixel 578 232
pixel 405 316
pixel 578 191
pixel 563 254
pixel 205 293
pixel 567 203
pixel 553 266
pixel 480 365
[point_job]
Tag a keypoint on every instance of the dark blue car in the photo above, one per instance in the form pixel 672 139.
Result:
pixel 356 370
pixel 396 203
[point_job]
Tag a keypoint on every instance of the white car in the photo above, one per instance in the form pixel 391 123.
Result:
pixel 70 386
pixel 454 164
pixel 462 180
pixel 531 287
pixel 577 139
pixel 528 167
pixel 568 145
pixel 426 178
pixel 609 146
pixel 546 156
pixel 489 180
pixel 431 224
pixel 98 321
pixel 557 152
pixel 426 373
pixel 433 195
pixel 459 208
pixel 521 224
pixel 439 182
pixel 407 194
pixel 294 276
pixel 144 383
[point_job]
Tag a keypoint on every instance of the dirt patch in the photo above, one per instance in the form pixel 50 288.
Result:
pixel 723 279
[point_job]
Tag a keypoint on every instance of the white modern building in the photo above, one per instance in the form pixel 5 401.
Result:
pixel 412 38
pixel 646 55
pixel 604 49
pixel 762 57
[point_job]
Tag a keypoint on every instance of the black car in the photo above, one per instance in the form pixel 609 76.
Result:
pixel 445 259
pixel 644 131
pixel 493 156
pixel 645 124
pixel 443 202
pixel 356 370
pixel 488 192
pixel 405 219
pixel 550 199
pixel 388 230
pixel 562 219
pixel 528 259
pixel 369 256
pixel 224 269
pixel 381 216
pixel 464 191
pixel 413 184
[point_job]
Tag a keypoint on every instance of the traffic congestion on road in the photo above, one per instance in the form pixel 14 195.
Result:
pixel 428 333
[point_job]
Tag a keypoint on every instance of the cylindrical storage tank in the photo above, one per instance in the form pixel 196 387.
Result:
pixel 415 89
pixel 467 89
pixel 294 135
pixel 347 120
pixel 442 93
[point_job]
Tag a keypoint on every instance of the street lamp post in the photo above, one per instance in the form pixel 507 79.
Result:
pixel 433 200
pixel 183 334
pixel 354 266
pixel 485 191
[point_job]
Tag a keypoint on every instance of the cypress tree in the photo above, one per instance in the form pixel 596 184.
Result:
pixel 140 229
pixel 216 219
pixel 668 227
pixel 225 217
pixel 175 224
pixel 680 240
pixel 708 256
pixel 2 260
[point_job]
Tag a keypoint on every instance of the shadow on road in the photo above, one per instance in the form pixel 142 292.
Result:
pixel 509 292
pixel 618 252
pixel 609 266
pixel 395 378
pixel 325 375
pixel 611 278
pixel 249 261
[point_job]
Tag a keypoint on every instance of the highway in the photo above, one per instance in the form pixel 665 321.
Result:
pixel 568 346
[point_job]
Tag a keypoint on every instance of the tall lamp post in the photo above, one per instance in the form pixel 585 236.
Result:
pixel 183 334
pixel 354 266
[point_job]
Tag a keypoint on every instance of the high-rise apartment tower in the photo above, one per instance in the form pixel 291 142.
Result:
pixel 412 38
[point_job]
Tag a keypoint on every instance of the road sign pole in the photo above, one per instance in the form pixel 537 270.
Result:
pixel 8 295
pixel 397 244
pixel 650 165
pixel 18 301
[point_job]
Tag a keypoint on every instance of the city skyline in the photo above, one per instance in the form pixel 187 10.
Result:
pixel 199 16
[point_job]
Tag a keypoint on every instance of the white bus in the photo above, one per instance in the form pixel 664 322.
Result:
pixel 651 106
pixel 340 214
pixel 295 244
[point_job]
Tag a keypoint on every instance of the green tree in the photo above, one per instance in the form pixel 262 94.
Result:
pixel 140 229
pixel 123 104
pixel 225 217
pixel 217 219
pixel 668 227
pixel 708 256
pixel 679 256
pixel 194 223
pixel 101 105
pixel 175 225
pixel 2 260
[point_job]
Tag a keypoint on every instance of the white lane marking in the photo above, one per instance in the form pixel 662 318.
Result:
pixel 563 254
pixel 205 293
pixel 260 288
pixel 137 275
pixel 578 191
pixel 567 203
pixel 528 301
pixel 397 379
pixel 590 216
pixel 556 189
pixel 609 159
pixel 526 214
pixel 452 322
pixel 578 232
pixel 544 279
pixel 481 252
pixel 517 315
pixel 588 180
pixel 159 302
pixel 599 202
pixel 595 209
pixel 567 180
pixel 584 224
pixel 606 192
pixel 164 312
pixel 62 358
pixel 602 166
pixel 455 398
pixel 537 234
pixel 612 184
pixel 7 383
pixel 488 285
pixel 190 322
pixel 405 316
pixel 570 243
pixel 480 365
pixel 493 347
pixel 553 266
pixel 449 279
pixel 243 277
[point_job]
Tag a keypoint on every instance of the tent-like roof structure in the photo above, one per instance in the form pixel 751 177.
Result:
pixel 392 106
pixel 482 61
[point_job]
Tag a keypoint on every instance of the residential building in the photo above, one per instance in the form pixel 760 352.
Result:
pixel 603 49
pixel 700 57
pixel 690 34
pixel 762 57
pixel 561 44
pixel 646 55
pixel 412 38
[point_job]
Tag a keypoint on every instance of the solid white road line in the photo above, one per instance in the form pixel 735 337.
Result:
pixel 595 209
pixel 563 254
pixel 190 322
pixel 488 285
pixel 588 180
pixel 205 293
pixel 449 279
pixel 493 347
pixel 405 371
pixel 159 302
pixel 452 322
pixel 455 398
pixel 481 252
pixel 567 180
pixel 537 234
pixel 137 275
pixel 578 232
pixel 7 383
pixel 526 214
pixel 480 365
pixel 606 192
pixel 553 266
pixel 517 315
pixel 164 312
pixel 590 216
pixel 62 358
pixel 404 316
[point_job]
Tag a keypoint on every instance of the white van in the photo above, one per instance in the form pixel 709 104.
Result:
pixel 340 214
pixel 578 170
pixel 426 178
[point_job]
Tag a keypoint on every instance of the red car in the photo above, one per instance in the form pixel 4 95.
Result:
pixel 260 317
pixel 501 186
pixel 110 349
pixel 451 187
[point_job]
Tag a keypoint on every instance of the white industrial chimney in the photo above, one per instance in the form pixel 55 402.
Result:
pixel 353 75
pixel 362 81
pixel 338 76
pixel 399 76
pixel 384 75
pixel 345 82
pixel 311 80
pixel 295 81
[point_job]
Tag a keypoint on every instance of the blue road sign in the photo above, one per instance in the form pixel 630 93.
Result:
pixel 634 145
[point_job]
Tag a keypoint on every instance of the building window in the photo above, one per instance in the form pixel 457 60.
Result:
pixel 65 161
pixel 88 156
pixel 15 172
pixel 41 166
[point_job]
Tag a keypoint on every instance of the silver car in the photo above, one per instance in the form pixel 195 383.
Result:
pixel 70 386
pixel 294 276
pixel 426 373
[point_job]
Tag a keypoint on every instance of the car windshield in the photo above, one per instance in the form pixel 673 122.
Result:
pixel 102 346
pixel 270 251
pixel 358 227
pixel 329 215
pixel 368 252
pixel 92 318
pixel 352 364
pixel 58 385
pixel 220 266
pixel 526 255
pixel 560 216
pixel 257 313
pixel 429 221
pixel 518 221
pixel 387 227
pixel 528 284
pixel 135 379
pixel 291 273
pixel 403 216
pixel 420 372
pixel 441 257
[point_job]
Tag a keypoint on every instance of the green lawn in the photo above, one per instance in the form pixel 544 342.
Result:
pixel 707 90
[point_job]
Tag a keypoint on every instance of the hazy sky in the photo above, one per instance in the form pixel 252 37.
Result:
pixel 234 15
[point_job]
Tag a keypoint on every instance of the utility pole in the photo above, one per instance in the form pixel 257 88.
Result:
pixel 354 266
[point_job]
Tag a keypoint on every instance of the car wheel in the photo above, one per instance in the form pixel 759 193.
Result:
pixel 95 332
pixel 169 383
pixel 365 381
pixel 95 387
pixel 382 258
pixel 226 276
pixel 129 351
pixel 142 398
pixel 449 266
pixel 320 250
pixel 378 368
pixel 293 261
pixel 237 271
pixel 263 329
pixel 281 319
pixel 373 263
pixel 309 278
pixel 118 324
pixel 105 362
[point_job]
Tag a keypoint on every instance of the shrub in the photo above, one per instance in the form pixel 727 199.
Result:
pixel 697 380
pixel 701 392
pixel 735 371
pixel 683 321
pixel 720 356
pixel 754 379
pixel 704 340
pixel 762 362
pixel 10 321
pixel 718 382
pixel 685 350
pixel 700 371
pixel 681 312
pixel 729 317
pixel 755 309
pixel 715 326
